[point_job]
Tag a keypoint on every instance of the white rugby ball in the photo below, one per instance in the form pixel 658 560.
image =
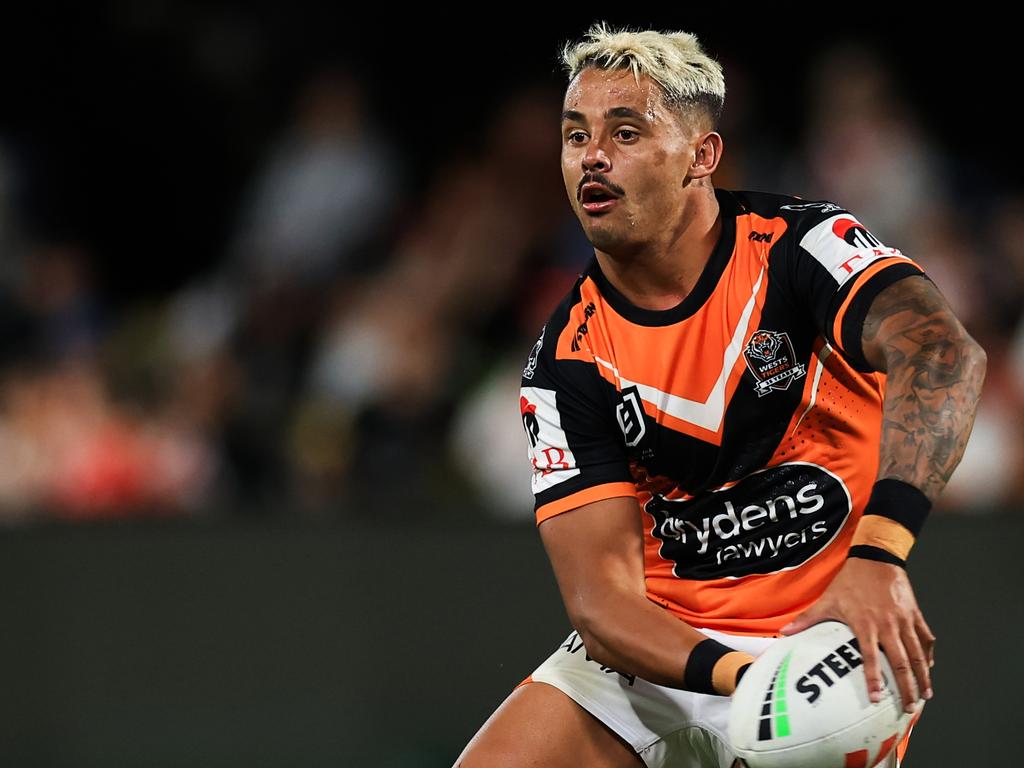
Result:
pixel 804 703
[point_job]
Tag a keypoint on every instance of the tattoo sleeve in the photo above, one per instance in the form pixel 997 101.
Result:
pixel 934 375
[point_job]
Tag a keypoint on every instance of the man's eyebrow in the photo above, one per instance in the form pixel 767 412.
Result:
pixel 632 114
pixel 571 114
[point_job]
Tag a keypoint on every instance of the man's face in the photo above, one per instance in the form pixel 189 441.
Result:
pixel 623 137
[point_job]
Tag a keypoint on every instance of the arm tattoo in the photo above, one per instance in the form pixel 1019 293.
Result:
pixel 934 376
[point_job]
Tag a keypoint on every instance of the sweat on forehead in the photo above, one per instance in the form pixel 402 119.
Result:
pixel 622 95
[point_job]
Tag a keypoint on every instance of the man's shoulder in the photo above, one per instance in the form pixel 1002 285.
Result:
pixel 559 316
pixel 796 210
pixel 543 351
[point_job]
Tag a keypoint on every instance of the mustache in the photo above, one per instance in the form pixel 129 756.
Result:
pixel 601 179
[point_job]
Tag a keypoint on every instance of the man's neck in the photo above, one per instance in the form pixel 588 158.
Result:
pixel 662 276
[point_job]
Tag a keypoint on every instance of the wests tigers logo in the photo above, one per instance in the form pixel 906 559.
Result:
pixel 770 357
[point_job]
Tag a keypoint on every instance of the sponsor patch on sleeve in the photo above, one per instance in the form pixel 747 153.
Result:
pixel 549 452
pixel 844 246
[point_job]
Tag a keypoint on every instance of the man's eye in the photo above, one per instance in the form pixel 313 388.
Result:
pixel 575 134
pixel 632 134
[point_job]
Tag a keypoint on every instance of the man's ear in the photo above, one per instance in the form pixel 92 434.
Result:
pixel 707 154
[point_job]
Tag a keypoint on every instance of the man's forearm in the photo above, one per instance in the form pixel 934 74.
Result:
pixel 934 372
pixel 928 414
pixel 630 634
pixel 596 551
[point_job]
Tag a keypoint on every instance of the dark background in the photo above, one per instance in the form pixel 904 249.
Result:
pixel 124 112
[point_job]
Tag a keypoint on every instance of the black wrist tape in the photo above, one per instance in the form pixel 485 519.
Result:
pixel 701 664
pixel 867 552
pixel 901 502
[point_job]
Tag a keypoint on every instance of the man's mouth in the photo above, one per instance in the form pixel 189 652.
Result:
pixel 595 198
pixel 600 206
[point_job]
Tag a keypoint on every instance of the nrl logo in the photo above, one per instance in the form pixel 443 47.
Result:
pixel 770 357
pixel 531 364
pixel 825 207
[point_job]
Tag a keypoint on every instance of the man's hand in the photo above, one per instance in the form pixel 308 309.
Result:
pixel 877 602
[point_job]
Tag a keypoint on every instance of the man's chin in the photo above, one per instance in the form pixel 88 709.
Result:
pixel 609 240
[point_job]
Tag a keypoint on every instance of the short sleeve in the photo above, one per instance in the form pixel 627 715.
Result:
pixel 575 449
pixel 836 269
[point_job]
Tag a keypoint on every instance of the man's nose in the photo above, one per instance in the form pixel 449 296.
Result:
pixel 595 158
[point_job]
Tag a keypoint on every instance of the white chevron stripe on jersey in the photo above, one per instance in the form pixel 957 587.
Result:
pixel 708 414
pixel 826 350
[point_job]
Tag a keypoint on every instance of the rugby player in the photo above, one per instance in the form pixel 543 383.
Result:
pixel 738 420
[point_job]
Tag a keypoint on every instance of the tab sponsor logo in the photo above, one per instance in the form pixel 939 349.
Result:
pixel 844 246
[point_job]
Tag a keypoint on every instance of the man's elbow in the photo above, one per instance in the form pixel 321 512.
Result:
pixel 596 649
pixel 952 358
pixel 590 624
pixel 975 361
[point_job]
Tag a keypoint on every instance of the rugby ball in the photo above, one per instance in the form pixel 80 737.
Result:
pixel 804 703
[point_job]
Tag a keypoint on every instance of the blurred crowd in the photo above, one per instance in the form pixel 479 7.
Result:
pixel 357 347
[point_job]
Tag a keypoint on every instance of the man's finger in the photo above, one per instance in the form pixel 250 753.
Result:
pixel 816 614
pixel 918 660
pixel 927 638
pixel 806 619
pixel 867 638
pixel 892 644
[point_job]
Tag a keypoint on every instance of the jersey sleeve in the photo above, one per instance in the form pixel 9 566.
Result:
pixel 574 447
pixel 837 269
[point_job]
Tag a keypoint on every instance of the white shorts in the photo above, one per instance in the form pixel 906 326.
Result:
pixel 666 726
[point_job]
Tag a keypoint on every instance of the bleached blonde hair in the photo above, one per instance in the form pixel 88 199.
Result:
pixel 676 61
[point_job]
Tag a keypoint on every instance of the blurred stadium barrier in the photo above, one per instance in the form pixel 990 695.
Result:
pixel 377 645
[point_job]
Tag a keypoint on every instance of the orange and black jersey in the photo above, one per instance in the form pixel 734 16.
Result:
pixel 745 420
